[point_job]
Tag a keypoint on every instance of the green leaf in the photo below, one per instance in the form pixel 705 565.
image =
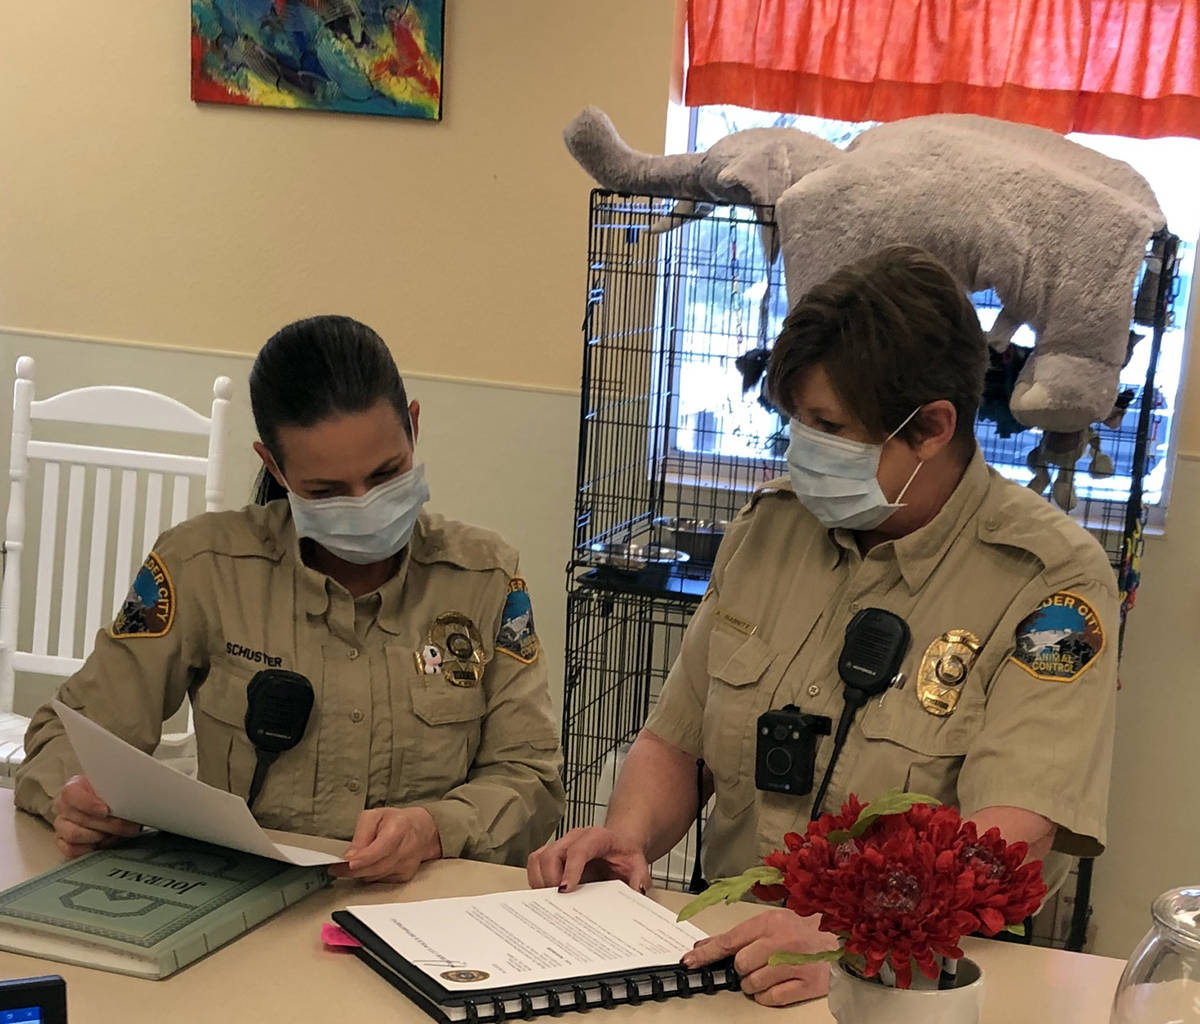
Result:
pixel 893 801
pixel 826 955
pixel 1015 929
pixel 730 890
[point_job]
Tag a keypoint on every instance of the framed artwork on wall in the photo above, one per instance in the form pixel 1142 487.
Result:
pixel 349 56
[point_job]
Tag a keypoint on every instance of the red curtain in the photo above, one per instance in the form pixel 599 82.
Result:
pixel 1112 67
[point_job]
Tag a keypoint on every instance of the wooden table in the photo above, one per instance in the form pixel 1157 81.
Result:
pixel 280 972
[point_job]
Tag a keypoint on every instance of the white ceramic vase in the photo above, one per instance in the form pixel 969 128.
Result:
pixel 855 1001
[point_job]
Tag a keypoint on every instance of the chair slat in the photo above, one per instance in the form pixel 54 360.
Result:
pixel 72 544
pixel 180 491
pixel 47 542
pixel 150 530
pixel 124 458
pixel 123 570
pixel 96 611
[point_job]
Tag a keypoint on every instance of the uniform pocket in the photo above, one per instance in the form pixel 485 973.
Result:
pixel 224 753
pixel 443 735
pixel 736 663
pixel 928 748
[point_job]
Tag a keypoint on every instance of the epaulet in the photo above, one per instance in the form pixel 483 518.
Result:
pixel 1019 518
pixel 438 539
pixel 250 532
pixel 779 487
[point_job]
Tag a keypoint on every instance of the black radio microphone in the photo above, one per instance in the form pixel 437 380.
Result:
pixel 875 645
pixel 278 703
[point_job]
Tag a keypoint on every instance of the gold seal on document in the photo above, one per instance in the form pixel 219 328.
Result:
pixel 465 976
pixel 944 668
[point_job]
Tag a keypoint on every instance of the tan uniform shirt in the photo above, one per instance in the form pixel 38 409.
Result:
pixel 771 628
pixel 388 727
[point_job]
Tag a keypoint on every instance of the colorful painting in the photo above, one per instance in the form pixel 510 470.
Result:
pixel 354 56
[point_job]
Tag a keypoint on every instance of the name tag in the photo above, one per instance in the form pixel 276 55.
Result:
pixel 741 625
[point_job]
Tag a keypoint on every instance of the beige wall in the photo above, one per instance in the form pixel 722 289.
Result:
pixel 1187 436
pixel 1154 831
pixel 208 226
pixel 500 457
pixel 127 212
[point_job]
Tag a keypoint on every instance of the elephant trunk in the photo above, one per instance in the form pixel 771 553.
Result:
pixel 599 150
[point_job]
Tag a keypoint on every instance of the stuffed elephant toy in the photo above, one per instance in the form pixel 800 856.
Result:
pixel 748 168
pixel 1058 230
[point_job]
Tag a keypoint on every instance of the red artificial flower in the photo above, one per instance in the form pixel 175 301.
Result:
pixel 908 888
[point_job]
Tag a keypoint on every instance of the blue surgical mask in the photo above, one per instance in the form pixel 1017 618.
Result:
pixel 366 529
pixel 836 478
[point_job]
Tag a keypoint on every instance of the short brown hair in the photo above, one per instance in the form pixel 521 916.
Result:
pixel 893 331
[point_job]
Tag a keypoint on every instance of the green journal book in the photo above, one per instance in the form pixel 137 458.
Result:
pixel 149 906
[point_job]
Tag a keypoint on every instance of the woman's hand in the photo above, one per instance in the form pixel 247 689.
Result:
pixel 752 943
pixel 389 844
pixel 83 822
pixel 585 855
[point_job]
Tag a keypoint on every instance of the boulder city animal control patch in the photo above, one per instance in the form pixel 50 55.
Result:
pixel 1059 640
pixel 517 637
pixel 149 609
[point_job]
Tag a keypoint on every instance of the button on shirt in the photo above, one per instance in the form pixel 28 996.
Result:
pixel 385 730
pixel 772 625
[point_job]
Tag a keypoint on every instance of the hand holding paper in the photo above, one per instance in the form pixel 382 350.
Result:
pixel 83 822
pixel 139 788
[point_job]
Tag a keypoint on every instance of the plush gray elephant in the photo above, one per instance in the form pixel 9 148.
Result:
pixel 752 167
pixel 1058 230
pixel 1055 228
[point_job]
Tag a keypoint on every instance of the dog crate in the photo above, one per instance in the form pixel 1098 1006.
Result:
pixel 675 434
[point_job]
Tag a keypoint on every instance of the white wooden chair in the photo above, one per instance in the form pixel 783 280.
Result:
pixel 100 577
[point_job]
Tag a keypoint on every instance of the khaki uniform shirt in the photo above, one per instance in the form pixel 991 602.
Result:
pixel 771 628
pixel 388 727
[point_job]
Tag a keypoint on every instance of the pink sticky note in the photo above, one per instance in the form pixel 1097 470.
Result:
pixel 337 938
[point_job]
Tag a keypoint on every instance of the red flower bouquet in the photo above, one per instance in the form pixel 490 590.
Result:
pixel 899 881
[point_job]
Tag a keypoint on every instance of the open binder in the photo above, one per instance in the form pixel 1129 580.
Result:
pixel 533 1000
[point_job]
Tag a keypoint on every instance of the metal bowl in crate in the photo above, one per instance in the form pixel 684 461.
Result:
pixel 698 538
pixel 647 562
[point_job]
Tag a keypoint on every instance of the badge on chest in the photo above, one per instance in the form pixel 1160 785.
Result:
pixel 452 648
pixel 944 669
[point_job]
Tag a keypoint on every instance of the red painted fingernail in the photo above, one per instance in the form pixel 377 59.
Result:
pixel 562 888
pixel 642 889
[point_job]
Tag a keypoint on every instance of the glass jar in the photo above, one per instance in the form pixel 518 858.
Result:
pixel 1161 982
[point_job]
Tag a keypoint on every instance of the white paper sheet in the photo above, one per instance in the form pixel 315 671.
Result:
pixel 474 943
pixel 139 788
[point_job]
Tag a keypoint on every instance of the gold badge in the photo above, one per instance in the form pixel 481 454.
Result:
pixel 944 669
pixel 453 648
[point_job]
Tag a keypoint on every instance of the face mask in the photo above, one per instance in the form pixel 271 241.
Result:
pixel 835 478
pixel 366 529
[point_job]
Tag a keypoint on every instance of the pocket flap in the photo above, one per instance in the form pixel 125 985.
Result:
pixel 735 658
pixel 437 701
pixel 902 720
pixel 222 695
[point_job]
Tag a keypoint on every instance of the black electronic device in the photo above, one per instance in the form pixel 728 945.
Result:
pixel 278 703
pixel 876 641
pixel 786 750
pixel 34 1000
pixel 874 648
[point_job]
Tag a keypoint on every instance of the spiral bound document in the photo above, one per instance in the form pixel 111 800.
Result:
pixel 531 952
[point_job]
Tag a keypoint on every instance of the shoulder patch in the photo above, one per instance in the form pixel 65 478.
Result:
pixel 516 637
pixel 149 610
pixel 1059 640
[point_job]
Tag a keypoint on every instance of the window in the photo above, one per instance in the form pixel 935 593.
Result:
pixel 726 311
